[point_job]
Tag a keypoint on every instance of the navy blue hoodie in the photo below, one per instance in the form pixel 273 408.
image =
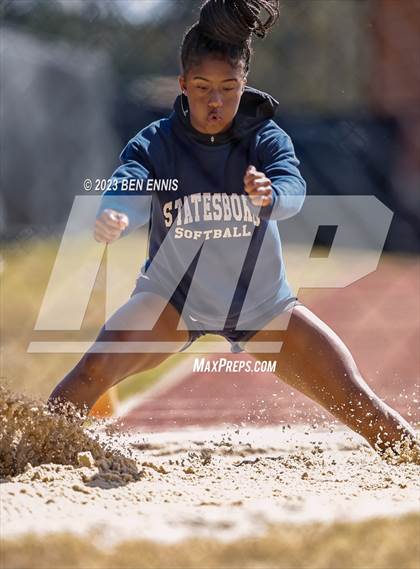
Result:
pixel 207 242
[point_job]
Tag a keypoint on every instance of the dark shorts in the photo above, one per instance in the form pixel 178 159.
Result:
pixel 237 338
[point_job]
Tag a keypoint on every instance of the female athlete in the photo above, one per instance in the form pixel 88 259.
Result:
pixel 218 175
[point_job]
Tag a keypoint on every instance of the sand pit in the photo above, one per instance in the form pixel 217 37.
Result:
pixel 213 484
pixel 30 435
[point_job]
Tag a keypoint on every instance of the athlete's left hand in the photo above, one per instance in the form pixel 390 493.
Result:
pixel 258 187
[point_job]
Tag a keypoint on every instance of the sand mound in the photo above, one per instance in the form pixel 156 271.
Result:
pixel 30 436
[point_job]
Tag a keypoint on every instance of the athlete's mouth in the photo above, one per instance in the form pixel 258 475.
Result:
pixel 214 116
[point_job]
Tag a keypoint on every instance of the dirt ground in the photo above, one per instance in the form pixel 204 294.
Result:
pixel 221 483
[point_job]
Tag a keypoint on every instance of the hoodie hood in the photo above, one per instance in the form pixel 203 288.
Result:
pixel 255 108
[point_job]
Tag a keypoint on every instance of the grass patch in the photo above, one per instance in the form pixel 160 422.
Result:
pixel 371 544
pixel 27 268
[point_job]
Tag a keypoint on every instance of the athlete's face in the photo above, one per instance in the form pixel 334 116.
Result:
pixel 214 89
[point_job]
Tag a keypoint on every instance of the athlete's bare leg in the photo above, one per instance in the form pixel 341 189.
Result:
pixel 96 372
pixel 315 361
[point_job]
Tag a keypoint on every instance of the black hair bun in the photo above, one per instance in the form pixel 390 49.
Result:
pixel 235 21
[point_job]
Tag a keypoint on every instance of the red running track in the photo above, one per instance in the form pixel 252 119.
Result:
pixel 377 317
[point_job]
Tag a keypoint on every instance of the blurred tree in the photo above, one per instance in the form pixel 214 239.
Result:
pixel 324 61
pixel 315 58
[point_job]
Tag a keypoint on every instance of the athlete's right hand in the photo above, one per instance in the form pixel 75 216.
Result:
pixel 109 225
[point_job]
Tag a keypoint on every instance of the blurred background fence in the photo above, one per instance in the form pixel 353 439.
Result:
pixel 80 77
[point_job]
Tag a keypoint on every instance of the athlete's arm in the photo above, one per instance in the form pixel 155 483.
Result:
pixel 278 187
pixel 125 205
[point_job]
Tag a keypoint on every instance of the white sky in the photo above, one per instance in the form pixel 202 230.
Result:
pixel 135 11
pixel 139 10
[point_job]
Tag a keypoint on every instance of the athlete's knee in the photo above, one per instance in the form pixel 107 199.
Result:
pixel 113 366
pixel 94 366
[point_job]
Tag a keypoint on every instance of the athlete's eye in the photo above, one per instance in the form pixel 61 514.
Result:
pixel 228 89
pixel 202 88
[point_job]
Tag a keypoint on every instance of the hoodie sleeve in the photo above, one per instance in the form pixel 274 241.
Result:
pixel 135 168
pixel 280 165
